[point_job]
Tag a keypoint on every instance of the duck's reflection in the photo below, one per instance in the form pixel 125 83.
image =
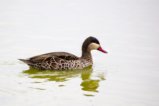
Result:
pixel 87 84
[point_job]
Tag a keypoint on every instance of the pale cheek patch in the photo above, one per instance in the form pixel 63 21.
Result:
pixel 93 46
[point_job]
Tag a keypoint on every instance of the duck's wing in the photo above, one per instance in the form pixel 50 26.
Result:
pixel 47 57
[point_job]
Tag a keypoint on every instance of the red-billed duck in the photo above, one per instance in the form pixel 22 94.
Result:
pixel 66 61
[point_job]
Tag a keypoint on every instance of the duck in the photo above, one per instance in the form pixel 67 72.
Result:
pixel 64 60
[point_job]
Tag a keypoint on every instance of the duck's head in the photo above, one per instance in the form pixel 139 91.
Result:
pixel 91 43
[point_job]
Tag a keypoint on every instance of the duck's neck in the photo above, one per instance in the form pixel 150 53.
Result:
pixel 86 55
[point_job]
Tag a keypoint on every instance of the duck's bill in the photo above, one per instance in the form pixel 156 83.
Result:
pixel 100 49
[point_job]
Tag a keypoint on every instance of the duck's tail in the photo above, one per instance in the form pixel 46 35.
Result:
pixel 25 61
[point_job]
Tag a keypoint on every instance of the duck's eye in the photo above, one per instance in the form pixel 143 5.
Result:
pixel 93 46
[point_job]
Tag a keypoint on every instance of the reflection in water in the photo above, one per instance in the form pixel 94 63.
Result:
pixel 87 84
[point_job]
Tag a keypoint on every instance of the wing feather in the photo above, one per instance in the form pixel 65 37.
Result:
pixel 55 55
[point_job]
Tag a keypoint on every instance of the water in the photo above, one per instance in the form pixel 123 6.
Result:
pixel 126 76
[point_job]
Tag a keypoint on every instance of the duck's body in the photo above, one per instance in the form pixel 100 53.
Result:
pixel 63 60
pixel 58 61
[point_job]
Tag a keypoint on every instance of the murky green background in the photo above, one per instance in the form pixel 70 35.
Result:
pixel 127 76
